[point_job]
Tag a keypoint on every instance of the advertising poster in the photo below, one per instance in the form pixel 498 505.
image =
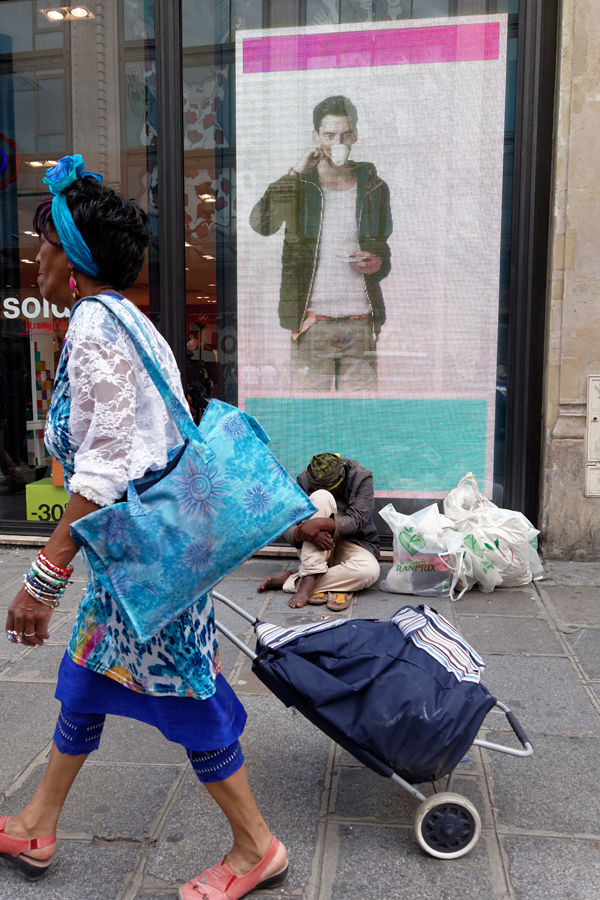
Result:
pixel 370 166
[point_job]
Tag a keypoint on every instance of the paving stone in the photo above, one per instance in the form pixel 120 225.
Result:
pixel 110 802
pixel 10 652
pixel 61 626
pixel 279 603
pixel 542 869
pixel 286 759
pixel 10 581
pixel 585 573
pixel 579 605
pixel 502 634
pixel 233 620
pixel 544 693
pixel 38 663
pixel 247 682
pixel 73 595
pixel 376 604
pixel 244 594
pixel 501 602
pixel 308 615
pixel 586 646
pixel 363 795
pixel 387 862
pixel 556 789
pixel 229 654
pixel 154 896
pixel 79 872
pixel 29 713
pixel 125 740
pixel 260 567
pixel 470 764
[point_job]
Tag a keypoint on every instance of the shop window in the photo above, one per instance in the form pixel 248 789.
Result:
pixel 65 86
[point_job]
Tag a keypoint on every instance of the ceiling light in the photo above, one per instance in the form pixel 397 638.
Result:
pixel 205 256
pixel 60 13
pixel 35 163
pixel 208 198
pixel 210 285
pixel 187 245
pixel 51 162
pixel 30 232
pixel 30 261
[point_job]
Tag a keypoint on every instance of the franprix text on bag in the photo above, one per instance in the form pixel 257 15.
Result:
pixel 221 498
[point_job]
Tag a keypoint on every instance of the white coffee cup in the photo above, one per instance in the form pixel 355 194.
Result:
pixel 339 153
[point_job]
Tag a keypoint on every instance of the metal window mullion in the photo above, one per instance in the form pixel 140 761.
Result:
pixel 171 222
pixel 538 24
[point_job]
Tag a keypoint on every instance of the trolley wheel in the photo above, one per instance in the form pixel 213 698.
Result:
pixel 447 825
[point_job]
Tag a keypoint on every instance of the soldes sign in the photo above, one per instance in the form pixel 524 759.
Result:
pixel 31 308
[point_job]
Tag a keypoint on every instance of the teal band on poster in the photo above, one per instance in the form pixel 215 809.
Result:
pixel 59 179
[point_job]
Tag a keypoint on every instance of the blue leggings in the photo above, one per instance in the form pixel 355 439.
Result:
pixel 78 733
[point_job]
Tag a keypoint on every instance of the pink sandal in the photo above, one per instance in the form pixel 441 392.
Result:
pixel 11 849
pixel 219 882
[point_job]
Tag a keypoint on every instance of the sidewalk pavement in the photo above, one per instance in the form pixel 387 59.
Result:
pixel 137 823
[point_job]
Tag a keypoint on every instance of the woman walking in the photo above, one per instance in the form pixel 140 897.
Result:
pixel 108 425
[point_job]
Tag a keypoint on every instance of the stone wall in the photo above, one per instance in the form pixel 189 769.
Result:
pixel 570 520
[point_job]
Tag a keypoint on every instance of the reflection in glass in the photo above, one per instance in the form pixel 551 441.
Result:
pixel 65 87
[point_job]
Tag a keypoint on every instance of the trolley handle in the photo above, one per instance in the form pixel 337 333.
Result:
pixel 517 728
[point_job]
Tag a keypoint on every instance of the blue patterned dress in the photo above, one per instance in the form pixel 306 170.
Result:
pixel 106 425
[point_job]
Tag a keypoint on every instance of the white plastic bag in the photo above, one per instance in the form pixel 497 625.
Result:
pixel 420 547
pixel 500 544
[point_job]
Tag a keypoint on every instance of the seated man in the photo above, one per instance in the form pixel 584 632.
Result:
pixel 339 545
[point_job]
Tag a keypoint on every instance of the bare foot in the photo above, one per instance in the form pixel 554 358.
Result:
pixel 274 582
pixel 304 592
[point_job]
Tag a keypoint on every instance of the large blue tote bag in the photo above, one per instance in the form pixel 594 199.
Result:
pixel 221 498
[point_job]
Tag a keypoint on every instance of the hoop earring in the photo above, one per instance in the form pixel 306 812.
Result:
pixel 73 286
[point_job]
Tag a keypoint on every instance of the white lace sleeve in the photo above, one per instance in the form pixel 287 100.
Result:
pixel 118 421
pixel 103 401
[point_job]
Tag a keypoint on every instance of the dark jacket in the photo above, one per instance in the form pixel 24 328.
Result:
pixel 298 201
pixel 354 518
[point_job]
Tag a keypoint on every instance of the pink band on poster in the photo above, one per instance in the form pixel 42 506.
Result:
pixel 384 47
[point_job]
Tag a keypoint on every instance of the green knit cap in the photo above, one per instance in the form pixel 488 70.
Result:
pixel 326 471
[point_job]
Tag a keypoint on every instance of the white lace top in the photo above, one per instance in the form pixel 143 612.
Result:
pixel 118 420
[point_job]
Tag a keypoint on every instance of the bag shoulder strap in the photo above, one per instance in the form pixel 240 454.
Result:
pixel 134 327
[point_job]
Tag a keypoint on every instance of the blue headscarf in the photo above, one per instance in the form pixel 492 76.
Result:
pixel 59 179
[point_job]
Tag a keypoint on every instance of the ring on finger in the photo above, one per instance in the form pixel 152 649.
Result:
pixel 29 635
pixel 14 637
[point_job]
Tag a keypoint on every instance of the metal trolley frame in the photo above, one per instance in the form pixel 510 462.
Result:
pixel 447 825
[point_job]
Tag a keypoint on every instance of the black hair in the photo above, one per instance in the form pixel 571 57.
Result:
pixel 334 106
pixel 116 230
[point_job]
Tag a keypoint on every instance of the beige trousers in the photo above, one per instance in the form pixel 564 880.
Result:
pixel 347 567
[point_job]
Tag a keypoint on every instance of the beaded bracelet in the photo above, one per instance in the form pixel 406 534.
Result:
pixel 46 581
pixel 49 579
pixel 52 602
pixel 43 560
pixel 42 587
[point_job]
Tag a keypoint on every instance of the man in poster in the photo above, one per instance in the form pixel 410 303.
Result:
pixel 335 253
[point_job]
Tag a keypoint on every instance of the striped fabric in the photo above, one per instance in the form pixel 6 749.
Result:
pixel 271 636
pixel 436 636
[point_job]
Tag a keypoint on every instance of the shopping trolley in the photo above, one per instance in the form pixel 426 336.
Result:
pixel 391 704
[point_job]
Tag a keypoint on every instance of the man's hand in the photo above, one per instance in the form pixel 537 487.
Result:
pixel 311 157
pixel 370 265
pixel 311 529
pixel 323 541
